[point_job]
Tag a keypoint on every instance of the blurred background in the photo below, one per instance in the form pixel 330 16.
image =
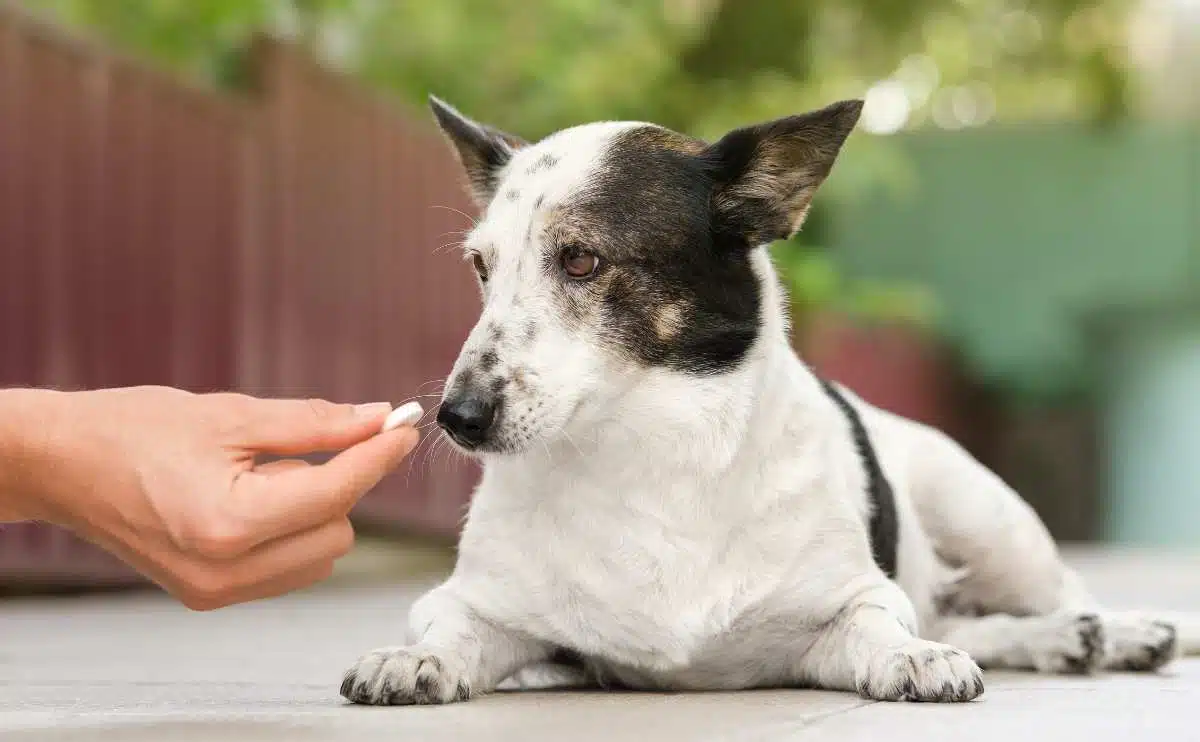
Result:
pixel 249 194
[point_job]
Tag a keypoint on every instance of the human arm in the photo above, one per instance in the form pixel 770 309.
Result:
pixel 171 481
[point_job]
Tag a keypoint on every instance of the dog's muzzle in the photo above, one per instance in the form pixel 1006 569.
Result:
pixel 467 419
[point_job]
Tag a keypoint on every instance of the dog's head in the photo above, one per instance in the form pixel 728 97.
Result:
pixel 611 251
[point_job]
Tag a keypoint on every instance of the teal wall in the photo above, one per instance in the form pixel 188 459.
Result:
pixel 1151 412
pixel 1022 231
pixel 1065 260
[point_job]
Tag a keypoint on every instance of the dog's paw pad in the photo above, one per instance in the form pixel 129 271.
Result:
pixel 922 671
pixel 405 676
pixel 1072 644
pixel 1140 644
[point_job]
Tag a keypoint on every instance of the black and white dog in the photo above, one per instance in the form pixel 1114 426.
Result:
pixel 671 499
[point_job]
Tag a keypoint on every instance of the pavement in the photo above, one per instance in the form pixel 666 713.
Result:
pixel 134 667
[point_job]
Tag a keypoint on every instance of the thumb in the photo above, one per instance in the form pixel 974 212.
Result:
pixel 290 427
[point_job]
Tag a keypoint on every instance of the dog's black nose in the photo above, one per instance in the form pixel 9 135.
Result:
pixel 467 419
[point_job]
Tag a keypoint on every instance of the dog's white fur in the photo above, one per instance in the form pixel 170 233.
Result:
pixel 688 532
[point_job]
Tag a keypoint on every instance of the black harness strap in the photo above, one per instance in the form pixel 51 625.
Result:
pixel 883 526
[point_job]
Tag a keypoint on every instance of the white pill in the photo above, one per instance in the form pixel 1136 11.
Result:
pixel 405 414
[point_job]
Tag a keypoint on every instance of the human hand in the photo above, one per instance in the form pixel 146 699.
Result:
pixel 169 481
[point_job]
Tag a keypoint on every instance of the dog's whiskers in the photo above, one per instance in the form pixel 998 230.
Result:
pixel 474 221
pixel 427 442
pixel 419 397
pixel 429 419
pixel 446 246
pixel 440 380
pixel 576 445
pixel 453 233
pixel 638 436
pixel 448 454
pixel 424 423
pixel 443 453
pixel 431 453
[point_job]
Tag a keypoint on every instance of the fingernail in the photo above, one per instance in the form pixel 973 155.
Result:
pixel 405 414
pixel 374 409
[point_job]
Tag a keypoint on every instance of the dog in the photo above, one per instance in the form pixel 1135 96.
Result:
pixel 670 499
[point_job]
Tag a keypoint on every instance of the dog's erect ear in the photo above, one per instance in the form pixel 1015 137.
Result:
pixel 482 150
pixel 766 175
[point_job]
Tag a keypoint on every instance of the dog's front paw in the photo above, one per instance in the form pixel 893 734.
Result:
pixel 921 671
pixel 403 676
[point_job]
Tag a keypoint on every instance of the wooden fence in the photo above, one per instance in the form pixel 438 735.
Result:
pixel 279 242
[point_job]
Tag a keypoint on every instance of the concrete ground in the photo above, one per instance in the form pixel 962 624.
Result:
pixel 137 667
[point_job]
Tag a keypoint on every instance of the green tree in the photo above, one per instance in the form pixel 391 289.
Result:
pixel 691 64
pixel 701 66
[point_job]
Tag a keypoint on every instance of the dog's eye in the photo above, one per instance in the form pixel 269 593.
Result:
pixel 480 267
pixel 578 263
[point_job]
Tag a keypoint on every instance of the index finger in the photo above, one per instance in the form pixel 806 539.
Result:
pixel 281 502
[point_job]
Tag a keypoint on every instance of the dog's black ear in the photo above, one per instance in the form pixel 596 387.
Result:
pixel 766 175
pixel 482 150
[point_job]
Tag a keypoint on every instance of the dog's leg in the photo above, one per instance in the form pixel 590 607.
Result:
pixel 871 647
pixel 1012 566
pixel 1068 641
pixel 455 655
pixel 979 523
pixel 1064 642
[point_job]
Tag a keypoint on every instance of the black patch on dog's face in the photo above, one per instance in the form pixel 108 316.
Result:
pixel 672 289
pixel 674 222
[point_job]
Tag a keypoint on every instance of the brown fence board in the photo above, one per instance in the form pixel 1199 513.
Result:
pixel 20 318
pixel 365 301
pixel 152 232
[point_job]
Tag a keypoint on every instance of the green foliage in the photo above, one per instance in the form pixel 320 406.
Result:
pixel 701 66
pixel 196 37
pixel 815 284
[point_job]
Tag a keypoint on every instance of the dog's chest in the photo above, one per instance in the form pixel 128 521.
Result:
pixel 646 586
